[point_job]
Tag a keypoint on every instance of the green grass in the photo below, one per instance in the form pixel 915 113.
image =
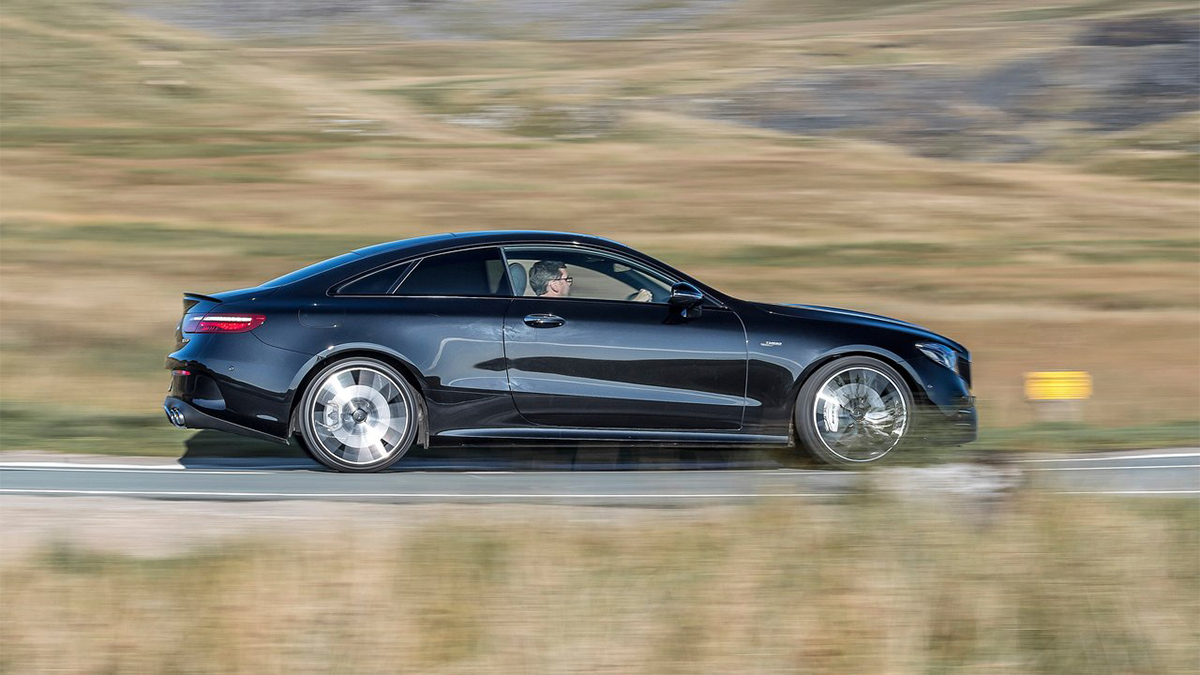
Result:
pixel 1076 437
pixel 940 254
pixel 190 176
pixel 155 142
pixel 1067 10
pixel 756 13
pixel 24 427
pixel 1184 168
pixel 145 235
pixel 193 151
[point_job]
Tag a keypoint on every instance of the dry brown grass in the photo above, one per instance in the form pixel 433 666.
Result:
pixel 112 211
pixel 1034 585
pixel 1022 294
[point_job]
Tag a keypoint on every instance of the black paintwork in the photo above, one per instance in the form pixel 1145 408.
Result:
pixel 612 371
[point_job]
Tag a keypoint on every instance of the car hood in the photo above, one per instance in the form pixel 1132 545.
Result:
pixel 852 316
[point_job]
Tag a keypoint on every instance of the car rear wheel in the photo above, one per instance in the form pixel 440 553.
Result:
pixel 853 411
pixel 358 415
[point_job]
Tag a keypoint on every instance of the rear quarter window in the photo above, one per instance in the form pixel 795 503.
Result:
pixel 471 273
pixel 380 282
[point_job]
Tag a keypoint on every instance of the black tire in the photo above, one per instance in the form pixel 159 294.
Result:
pixel 358 415
pixel 869 415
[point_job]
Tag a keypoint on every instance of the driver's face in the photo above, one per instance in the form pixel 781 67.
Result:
pixel 560 286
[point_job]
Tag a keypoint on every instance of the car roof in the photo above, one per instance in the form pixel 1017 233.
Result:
pixel 434 242
pixel 371 257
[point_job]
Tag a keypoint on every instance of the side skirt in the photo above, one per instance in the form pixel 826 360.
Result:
pixel 610 435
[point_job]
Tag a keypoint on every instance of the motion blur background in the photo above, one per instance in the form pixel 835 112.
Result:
pixel 1019 175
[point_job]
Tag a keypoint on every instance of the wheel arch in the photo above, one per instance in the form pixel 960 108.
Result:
pixel 890 358
pixel 906 371
pixel 361 350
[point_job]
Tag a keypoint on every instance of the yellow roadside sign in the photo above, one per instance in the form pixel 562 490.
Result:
pixel 1058 385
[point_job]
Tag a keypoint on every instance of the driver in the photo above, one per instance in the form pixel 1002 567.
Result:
pixel 550 279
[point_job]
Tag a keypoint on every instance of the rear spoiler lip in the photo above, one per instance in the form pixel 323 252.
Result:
pixel 201 296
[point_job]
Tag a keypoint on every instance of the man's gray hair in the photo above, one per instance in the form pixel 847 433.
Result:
pixel 542 273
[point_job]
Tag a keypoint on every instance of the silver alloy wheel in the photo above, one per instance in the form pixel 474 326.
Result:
pixel 860 414
pixel 360 415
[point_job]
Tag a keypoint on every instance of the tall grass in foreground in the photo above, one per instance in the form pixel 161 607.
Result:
pixel 1035 584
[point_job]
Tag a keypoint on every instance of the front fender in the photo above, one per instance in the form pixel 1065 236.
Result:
pixel 893 359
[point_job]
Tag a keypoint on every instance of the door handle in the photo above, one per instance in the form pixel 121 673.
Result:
pixel 544 321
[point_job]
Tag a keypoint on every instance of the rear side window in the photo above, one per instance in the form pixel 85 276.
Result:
pixel 376 283
pixel 477 272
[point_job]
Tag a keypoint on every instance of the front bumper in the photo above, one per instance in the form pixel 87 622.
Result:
pixel 939 427
pixel 946 409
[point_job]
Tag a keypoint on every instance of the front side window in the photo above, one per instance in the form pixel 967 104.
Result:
pixel 472 273
pixel 559 272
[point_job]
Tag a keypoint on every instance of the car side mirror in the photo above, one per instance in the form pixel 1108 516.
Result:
pixel 687 299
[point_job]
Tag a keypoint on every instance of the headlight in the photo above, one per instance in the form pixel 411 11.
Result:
pixel 940 354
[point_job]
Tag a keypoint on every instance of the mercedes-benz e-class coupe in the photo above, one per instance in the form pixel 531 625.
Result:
pixel 547 336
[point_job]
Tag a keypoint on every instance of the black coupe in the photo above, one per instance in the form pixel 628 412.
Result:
pixel 547 336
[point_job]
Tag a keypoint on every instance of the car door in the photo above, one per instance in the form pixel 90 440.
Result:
pixel 599 358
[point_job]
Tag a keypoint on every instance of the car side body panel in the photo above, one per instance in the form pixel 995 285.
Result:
pixel 626 365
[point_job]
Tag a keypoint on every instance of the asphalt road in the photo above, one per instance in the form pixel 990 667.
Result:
pixel 1174 472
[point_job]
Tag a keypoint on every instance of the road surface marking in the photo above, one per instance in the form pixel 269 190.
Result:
pixel 78 465
pixel 191 472
pixel 431 495
pixel 448 469
pixel 1113 468
pixel 446 495
pixel 1112 458
pixel 1130 492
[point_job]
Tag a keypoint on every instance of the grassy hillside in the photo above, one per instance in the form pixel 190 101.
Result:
pixel 141 159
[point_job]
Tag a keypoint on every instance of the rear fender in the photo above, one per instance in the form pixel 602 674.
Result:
pixel 369 350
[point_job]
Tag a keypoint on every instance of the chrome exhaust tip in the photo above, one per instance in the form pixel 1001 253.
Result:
pixel 175 416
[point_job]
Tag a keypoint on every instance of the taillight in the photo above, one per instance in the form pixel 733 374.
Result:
pixel 222 323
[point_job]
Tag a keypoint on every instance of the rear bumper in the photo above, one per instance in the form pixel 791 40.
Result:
pixel 184 415
pixel 237 380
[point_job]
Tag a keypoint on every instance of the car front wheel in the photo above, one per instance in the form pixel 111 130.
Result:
pixel 358 415
pixel 853 411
